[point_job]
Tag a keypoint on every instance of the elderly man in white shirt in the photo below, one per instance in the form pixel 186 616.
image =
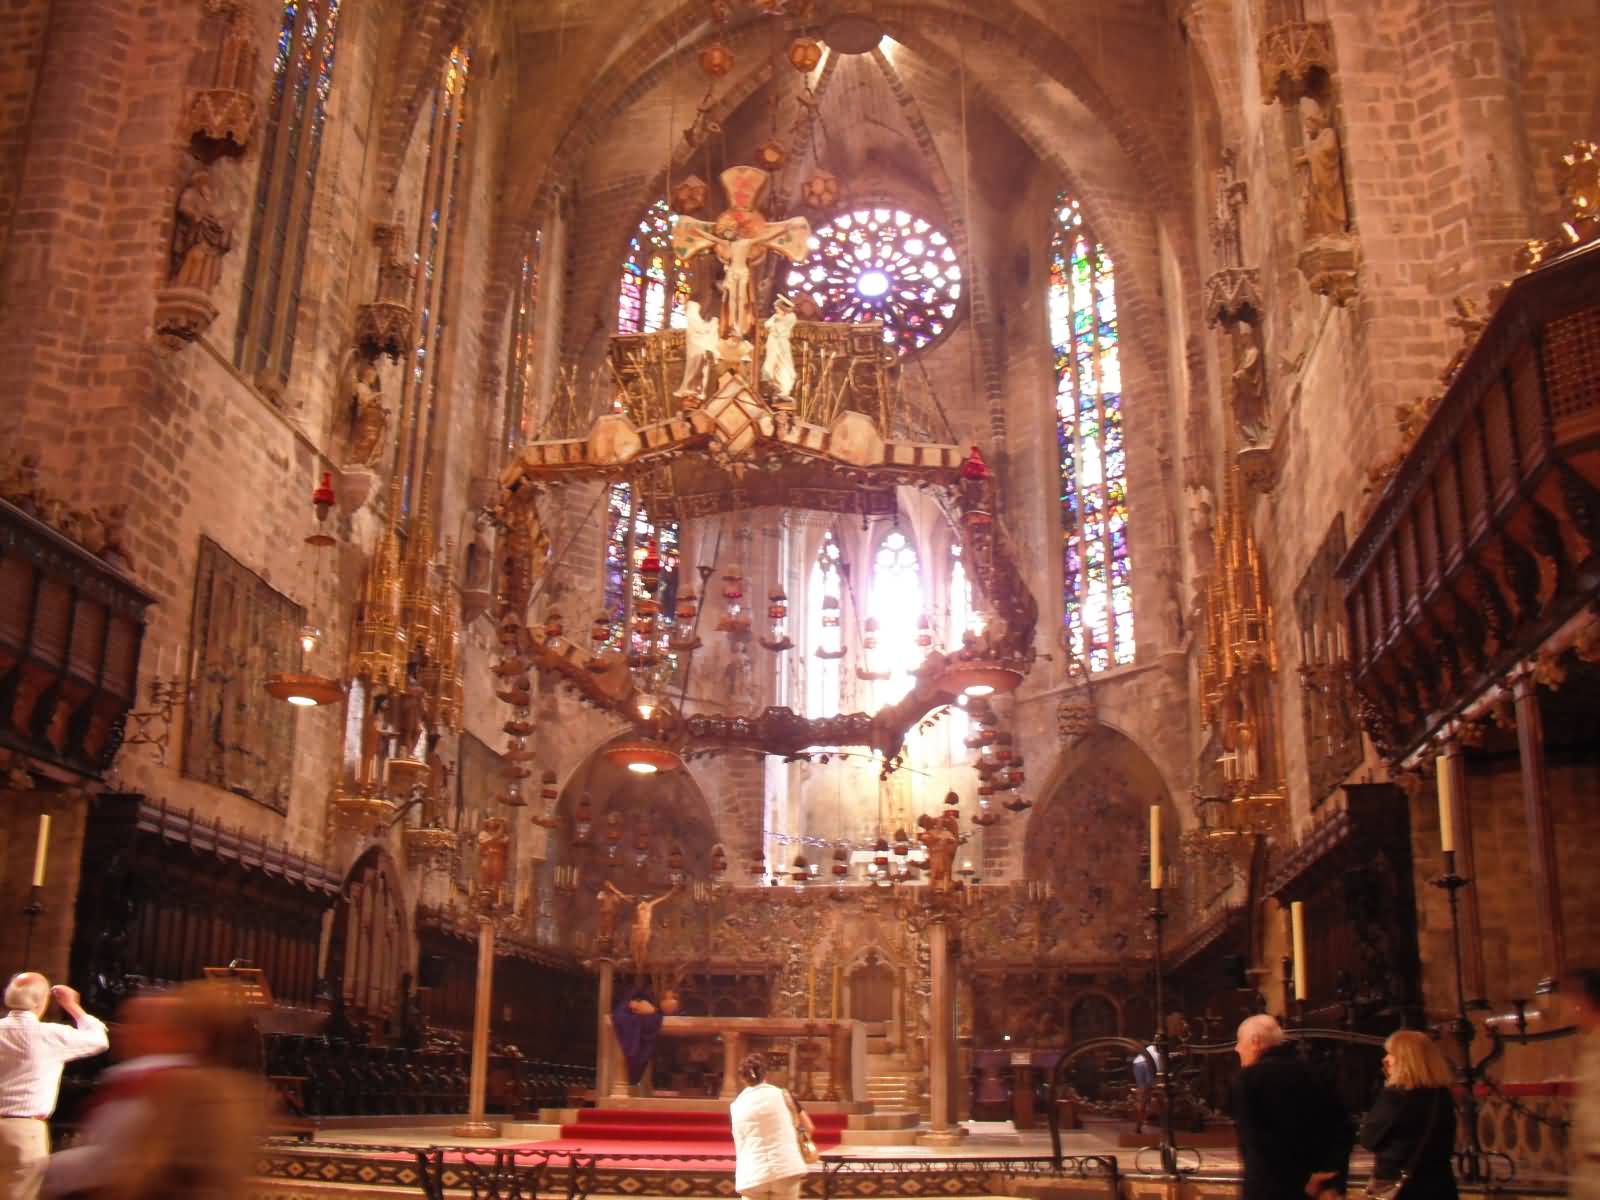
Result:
pixel 32 1054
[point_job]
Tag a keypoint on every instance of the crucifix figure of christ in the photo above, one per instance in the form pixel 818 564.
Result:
pixel 639 934
pixel 741 238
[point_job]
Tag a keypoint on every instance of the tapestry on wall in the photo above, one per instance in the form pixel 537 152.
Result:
pixel 242 630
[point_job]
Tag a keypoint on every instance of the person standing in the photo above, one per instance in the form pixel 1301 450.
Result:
pixel 32 1054
pixel 1294 1135
pixel 1411 1128
pixel 176 1118
pixel 767 1160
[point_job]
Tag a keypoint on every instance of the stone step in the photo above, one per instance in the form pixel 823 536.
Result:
pixel 880 1137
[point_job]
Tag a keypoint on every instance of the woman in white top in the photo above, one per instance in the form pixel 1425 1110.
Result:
pixel 767 1165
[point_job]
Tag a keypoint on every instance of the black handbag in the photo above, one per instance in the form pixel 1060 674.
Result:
pixel 1389 1189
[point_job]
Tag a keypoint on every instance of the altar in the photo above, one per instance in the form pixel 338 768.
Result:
pixel 841 1081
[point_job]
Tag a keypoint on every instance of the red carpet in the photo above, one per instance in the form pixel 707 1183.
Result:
pixel 610 1130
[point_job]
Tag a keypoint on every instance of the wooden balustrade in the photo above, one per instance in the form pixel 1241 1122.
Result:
pixel 70 631
pixel 1485 540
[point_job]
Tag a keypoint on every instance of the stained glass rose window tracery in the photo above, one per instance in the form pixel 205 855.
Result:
pixel 883 264
pixel 1097 577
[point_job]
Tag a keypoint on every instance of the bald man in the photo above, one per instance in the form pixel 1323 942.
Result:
pixel 1294 1134
pixel 32 1054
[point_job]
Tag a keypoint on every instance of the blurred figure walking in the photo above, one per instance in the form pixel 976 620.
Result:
pixel 172 1120
pixel 32 1054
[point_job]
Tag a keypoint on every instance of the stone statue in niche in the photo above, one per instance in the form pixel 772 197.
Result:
pixel 1321 170
pixel 439 772
pixel 369 416
pixel 200 237
pixel 1249 381
pixel 373 722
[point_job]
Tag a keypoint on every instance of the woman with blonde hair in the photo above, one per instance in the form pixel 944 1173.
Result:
pixel 1411 1129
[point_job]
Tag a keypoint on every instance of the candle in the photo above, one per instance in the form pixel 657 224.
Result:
pixel 39 849
pixel 811 990
pixel 1297 918
pixel 1155 846
pixel 1344 649
pixel 1447 818
pixel 1305 646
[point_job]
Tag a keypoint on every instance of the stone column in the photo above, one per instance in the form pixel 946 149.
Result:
pixel 1461 817
pixel 941 1038
pixel 475 1124
pixel 605 1045
pixel 732 1052
pixel 1541 831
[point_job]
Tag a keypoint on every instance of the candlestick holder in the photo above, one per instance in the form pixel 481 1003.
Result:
pixel 30 912
pixel 1169 1148
pixel 1474 1164
pixel 166 695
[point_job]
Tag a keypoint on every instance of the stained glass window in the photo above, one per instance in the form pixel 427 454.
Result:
pixel 420 386
pixel 896 605
pixel 654 288
pixel 620 506
pixel 962 618
pixel 519 378
pixel 1097 579
pixel 883 264
pixel 280 227
pixel 825 611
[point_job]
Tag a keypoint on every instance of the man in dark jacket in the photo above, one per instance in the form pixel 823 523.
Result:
pixel 1294 1135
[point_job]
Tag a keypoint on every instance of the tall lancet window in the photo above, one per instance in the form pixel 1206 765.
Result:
pixel 825 631
pixel 520 387
pixel 625 507
pixel 280 227
pixel 653 292
pixel 895 608
pixel 1097 580
pixel 962 617
pixel 420 395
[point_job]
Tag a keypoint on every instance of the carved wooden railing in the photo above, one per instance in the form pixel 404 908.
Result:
pixel 1485 540
pixel 70 630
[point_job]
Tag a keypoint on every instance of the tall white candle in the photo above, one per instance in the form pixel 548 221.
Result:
pixel 1447 786
pixel 39 849
pixel 1297 918
pixel 1155 845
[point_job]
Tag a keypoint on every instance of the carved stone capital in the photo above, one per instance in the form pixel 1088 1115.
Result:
pixel 383 327
pixel 1330 264
pixel 182 315
pixel 1289 54
pixel 1231 295
pixel 1258 467
pixel 222 119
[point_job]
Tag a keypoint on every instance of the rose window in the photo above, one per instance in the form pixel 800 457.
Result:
pixel 883 264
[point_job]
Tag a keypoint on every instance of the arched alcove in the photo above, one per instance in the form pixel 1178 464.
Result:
pixel 370 949
pixel 1089 839
pixel 622 828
